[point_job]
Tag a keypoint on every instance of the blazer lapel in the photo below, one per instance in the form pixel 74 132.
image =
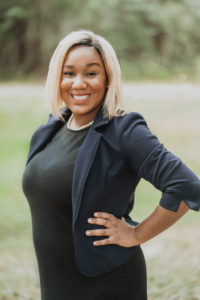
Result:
pixel 82 167
pixel 84 161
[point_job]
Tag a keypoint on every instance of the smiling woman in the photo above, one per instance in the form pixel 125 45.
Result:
pixel 82 170
pixel 102 57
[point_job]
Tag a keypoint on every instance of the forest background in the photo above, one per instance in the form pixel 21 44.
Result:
pixel 158 45
pixel 157 39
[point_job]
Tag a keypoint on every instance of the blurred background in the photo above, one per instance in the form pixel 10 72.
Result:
pixel 156 39
pixel 158 45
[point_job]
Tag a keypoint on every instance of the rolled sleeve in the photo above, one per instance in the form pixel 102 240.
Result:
pixel 171 176
pixel 153 162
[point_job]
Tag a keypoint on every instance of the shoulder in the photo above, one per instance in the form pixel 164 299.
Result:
pixel 136 141
pixel 131 133
pixel 52 119
pixel 129 122
pixel 128 118
pixel 52 122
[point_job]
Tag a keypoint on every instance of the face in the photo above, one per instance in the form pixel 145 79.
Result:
pixel 83 82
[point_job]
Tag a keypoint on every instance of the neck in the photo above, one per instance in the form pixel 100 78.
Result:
pixel 80 121
pixel 72 124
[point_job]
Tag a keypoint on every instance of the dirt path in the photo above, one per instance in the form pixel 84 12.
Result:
pixel 134 91
pixel 161 91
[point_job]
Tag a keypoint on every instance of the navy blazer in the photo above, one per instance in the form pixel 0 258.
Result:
pixel 113 158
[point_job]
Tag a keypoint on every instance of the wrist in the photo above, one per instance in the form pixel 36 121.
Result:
pixel 138 240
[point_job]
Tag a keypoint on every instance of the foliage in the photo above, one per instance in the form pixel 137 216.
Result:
pixel 160 31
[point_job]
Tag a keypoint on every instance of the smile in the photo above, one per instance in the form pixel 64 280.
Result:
pixel 82 97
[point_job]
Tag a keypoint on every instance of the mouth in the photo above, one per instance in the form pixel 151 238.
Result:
pixel 80 97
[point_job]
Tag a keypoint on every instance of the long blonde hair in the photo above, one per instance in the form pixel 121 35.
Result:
pixel 113 98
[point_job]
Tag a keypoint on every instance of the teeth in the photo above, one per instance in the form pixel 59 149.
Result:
pixel 80 97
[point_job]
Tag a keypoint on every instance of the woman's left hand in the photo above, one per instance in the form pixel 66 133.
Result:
pixel 119 232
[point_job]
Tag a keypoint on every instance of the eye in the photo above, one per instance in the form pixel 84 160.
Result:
pixel 69 73
pixel 91 74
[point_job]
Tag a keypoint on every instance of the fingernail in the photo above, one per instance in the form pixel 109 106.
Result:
pixel 88 232
pixel 90 220
pixel 94 243
pixel 96 214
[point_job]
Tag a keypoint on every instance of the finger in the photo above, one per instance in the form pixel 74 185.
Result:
pixel 105 215
pixel 98 232
pixel 99 221
pixel 107 241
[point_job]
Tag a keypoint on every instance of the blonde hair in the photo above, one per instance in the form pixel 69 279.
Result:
pixel 113 99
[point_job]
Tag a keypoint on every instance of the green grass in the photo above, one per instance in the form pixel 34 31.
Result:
pixel 18 276
pixel 176 123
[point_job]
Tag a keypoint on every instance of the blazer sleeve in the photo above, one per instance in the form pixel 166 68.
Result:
pixel 150 160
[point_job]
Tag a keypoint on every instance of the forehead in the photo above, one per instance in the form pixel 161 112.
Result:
pixel 82 55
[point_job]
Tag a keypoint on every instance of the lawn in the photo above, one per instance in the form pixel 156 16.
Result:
pixel 172 258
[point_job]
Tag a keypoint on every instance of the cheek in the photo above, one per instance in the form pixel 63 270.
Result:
pixel 99 85
pixel 65 84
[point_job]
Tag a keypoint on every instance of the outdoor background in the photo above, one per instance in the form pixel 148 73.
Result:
pixel 158 45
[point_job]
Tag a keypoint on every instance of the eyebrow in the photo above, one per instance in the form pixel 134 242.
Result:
pixel 88 65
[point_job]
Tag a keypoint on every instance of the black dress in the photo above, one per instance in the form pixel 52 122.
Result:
pixel 47 182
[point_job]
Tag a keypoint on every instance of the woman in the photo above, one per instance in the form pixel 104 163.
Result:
pixel 82 170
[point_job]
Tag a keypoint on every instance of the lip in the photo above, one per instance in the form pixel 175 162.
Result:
pixel 80 98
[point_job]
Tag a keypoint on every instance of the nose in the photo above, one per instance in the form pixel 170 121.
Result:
pixel 79 83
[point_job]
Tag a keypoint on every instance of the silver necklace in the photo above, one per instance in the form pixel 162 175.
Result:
pixel 80 128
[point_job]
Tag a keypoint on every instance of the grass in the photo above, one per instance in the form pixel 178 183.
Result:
pixel 173 269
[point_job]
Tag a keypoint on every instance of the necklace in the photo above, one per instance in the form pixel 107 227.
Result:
pixel 80 128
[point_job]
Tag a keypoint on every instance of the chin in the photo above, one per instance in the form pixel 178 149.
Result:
pixel 80 110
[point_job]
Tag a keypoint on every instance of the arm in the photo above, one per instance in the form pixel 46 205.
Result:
pixel 158 221
pixel 119 232
pixel 148 158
